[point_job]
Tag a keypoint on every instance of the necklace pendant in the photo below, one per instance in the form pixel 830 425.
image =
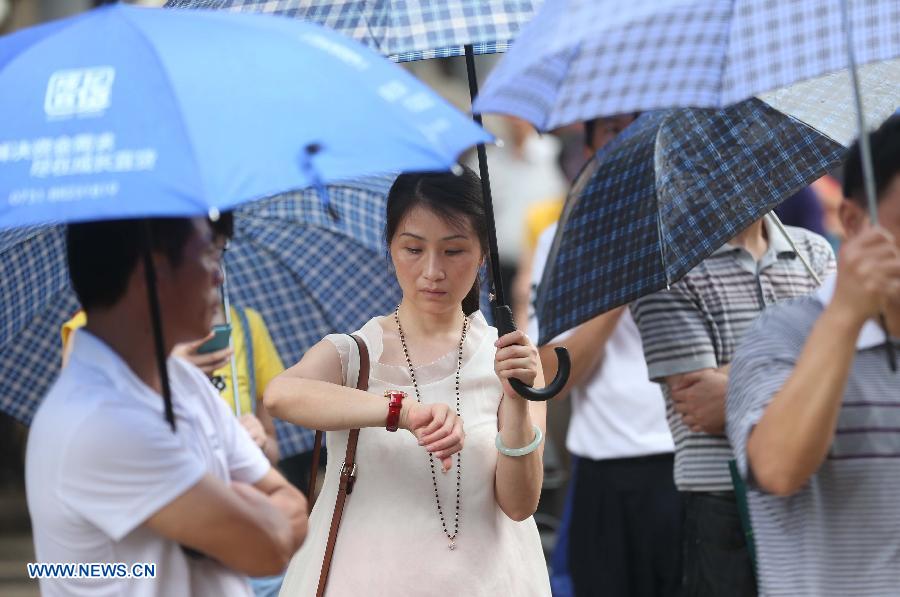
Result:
pixel 452 545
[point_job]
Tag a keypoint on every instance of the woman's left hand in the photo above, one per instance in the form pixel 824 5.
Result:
pixel 517 357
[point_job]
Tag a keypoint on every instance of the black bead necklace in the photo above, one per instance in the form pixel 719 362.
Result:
pixel 412 374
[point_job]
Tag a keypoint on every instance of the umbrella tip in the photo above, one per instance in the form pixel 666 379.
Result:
pixel 499 143
pixel 214 214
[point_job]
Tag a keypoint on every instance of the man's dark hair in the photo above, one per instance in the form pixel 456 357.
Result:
pixel 224 226
pixel 591 125
pixel 103 255
pixel 885 143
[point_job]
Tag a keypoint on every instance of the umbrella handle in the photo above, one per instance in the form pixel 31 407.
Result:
pixel 503 319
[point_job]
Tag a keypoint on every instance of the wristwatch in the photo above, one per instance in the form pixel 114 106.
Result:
pixel 395 401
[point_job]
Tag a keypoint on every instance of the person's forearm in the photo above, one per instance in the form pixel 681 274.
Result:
pixel 275 525
pixel 287 501
pixel 793 436
pixel 518 479
pixel 586 348
pixel 325 406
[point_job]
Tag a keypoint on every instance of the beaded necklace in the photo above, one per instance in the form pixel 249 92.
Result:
pixel 412 374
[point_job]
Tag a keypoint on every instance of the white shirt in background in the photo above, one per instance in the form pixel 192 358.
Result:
pixel 616 412
pixel 101 459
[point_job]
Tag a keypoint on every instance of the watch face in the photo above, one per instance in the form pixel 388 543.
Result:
pixel 394 395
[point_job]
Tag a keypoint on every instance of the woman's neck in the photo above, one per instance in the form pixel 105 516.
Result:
pixel 422 324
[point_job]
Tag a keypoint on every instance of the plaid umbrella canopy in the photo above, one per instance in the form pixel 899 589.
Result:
pixel 581 59
pixel 407 30
pixel 670 190
pixel 403 30
pixel 290 260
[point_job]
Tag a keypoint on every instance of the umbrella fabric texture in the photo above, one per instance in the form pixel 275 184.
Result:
pixel 403 30
pixel 671 189
pixel 415 29
pixel 35 300
pixel 243 106
pixel 309 274
pixel 581 59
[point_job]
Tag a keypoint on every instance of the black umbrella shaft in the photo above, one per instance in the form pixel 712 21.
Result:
pixel 156 324
pixel 494 257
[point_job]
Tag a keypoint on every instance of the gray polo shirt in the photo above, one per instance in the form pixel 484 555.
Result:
pixel 698 322
pixel 840 534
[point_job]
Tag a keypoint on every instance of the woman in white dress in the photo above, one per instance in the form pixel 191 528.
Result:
pixel 444 506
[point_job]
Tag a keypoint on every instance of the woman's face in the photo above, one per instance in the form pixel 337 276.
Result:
pixel 436 261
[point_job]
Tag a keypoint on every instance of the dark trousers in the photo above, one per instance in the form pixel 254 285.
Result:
pixel 716 560
pixel 625 534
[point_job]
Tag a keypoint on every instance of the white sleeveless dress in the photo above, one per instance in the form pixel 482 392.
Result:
pixel 391 541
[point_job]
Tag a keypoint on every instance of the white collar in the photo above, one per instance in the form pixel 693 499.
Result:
pixel 92 353
pixel 871 334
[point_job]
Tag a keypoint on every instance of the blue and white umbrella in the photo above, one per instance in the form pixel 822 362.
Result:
pixel 125 112
pixel 665 194
pixel 583 59
pixel 403 30
pixel 408 30
pixel 290 259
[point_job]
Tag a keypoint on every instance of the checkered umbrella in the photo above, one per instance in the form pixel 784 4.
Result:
pixel 406 30
pixel 581 59
pixel 309 274
pixel 671 189
pixel 403 30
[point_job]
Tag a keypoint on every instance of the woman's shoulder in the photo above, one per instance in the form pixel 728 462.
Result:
pixel 478 325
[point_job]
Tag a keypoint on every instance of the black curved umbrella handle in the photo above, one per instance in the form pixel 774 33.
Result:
pixel 503 319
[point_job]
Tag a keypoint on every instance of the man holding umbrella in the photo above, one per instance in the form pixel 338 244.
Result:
pixel 689 334
pixel 813 408
pixel 107 478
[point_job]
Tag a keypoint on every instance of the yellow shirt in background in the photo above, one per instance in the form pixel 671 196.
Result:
pixel 538 217
pixel 267 362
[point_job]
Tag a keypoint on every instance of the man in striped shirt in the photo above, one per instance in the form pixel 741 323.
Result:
pixel 814 409
pixel 690 333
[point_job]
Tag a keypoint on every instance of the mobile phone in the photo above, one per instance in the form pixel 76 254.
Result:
pixel 218 341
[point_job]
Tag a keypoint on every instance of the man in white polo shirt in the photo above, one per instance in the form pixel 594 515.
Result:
pixel 108 480
pixel 625 529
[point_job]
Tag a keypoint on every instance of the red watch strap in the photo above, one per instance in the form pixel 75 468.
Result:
pixel 395 402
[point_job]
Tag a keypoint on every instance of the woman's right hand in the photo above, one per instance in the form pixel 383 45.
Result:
pixel 438 429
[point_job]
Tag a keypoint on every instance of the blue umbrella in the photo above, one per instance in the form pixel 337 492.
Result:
pixel 129 112
pixel 310 274
pixel 671 189
pixel 408 30
pixel 135 112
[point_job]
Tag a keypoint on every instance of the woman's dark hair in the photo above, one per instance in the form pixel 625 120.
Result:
pixel 455 198
pixel 885 144
pixel 102 255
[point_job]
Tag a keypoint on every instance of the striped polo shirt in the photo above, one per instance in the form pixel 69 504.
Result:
pixel 698 322
pixel 840 534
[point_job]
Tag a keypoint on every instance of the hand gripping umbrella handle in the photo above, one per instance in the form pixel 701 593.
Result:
pixel 503 319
